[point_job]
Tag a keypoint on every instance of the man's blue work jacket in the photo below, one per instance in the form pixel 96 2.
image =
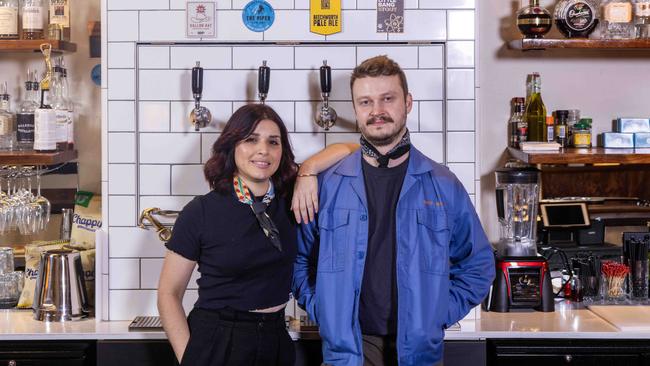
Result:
pixel 444 262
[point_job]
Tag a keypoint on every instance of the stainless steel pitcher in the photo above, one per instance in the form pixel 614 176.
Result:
pixel 60 290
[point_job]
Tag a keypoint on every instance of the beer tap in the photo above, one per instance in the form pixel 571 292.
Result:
pixel 200 116
pixel 326 115
pixel 263 81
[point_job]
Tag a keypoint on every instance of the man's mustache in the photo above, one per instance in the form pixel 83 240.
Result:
pixel 372 120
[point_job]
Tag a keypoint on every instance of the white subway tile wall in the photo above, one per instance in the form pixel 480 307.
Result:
pixel 154 157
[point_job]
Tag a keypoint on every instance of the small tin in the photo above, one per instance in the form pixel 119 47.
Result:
pixel 617 140
pixel 632 125
pixel 642 140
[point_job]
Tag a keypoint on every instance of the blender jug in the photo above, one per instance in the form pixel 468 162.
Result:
pixel 517 194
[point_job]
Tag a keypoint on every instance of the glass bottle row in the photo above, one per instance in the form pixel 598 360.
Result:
pixel 27 19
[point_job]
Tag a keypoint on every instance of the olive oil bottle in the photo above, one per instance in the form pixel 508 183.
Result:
pixel 535 114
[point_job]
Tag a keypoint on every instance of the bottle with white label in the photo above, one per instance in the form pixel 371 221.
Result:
pixel 25 115
pixel 617 19
pixel 60 107
pixel 32 11
pixel 44 125
pixel 8 19
pixel 59 16
pixel 7 120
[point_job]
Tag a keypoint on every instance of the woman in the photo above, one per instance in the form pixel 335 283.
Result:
pixel 243 239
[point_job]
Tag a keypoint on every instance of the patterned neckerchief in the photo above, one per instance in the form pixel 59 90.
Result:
pixel 259 209
pixel 402 147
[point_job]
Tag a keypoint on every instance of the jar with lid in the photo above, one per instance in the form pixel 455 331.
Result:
pixel 582 133
pixel 572 119
pixel 576 18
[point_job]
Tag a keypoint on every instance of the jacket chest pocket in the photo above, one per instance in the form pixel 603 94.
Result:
pixel 334 227
pixel 433 241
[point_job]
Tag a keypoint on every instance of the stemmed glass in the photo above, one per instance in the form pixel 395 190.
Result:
pixel 19 208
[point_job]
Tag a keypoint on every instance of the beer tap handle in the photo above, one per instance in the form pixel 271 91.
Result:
pixel 197 80
pixel 263 80
pixel 325 78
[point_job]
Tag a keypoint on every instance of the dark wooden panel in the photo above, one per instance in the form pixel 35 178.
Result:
pixel 141 353
pixel 31 157
pixel 602 181
pixel 22 45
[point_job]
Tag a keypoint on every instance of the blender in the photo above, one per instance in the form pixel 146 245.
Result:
pixel 522 276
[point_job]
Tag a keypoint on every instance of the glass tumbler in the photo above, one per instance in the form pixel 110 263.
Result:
pixel 6 260
pixel 11 285
pixel 614 289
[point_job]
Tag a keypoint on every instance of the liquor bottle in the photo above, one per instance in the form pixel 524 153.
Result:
pixel 32 19
pixel 6 120
pixel 533 21
pixel 516 126
pixel 25 116
pixel 44 124
pixel 642 19
pixel 65 92
pixel 535 114
pixel 617 19
pixel 59 15
pixel 8 19
pixel 60 107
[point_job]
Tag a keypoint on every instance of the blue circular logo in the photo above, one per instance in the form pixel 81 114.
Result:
pixel 258 15
pixel 96 74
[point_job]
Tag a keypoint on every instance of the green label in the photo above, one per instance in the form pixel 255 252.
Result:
pixel 82 198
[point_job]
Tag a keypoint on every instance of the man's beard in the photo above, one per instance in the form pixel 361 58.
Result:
pixel 382 140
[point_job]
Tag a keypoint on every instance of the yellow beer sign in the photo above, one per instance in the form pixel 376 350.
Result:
pixel 325 16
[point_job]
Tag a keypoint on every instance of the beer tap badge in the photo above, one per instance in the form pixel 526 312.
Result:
pixel 325 16
pixel 390 16
pixel 200 19
pixel 258 15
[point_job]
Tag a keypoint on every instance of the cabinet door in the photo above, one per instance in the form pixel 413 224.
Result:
pixel 50 353
pixel 141 353
pixel 25 360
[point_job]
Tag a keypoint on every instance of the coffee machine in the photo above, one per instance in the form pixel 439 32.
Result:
pixel 523 279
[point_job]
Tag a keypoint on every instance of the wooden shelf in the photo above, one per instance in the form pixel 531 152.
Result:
pixel 596 155
pixel 35 158
pixel 527 44
pixel 20 45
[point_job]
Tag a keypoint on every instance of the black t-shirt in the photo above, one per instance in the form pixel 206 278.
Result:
pixel 239 266
pixel 378 302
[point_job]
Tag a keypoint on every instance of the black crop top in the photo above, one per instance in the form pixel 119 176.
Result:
pixel 239 266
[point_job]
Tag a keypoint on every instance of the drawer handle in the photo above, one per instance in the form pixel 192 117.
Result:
pixel 568 358
pixel 11 363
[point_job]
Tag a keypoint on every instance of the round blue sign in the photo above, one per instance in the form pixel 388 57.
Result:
pixel 258 15
pixel 96 74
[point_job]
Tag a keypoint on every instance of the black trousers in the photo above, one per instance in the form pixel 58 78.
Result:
pixel 381 351
pixel 236 338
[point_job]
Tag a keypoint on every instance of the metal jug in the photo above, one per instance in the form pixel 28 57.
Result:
pixel 60 290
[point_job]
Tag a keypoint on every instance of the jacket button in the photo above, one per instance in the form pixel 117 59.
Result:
pixel 364 217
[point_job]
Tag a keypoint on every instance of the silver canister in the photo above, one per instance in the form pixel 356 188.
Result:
pixel 60 289
pixel 66 223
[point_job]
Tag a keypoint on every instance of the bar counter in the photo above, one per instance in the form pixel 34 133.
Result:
pixel 569 321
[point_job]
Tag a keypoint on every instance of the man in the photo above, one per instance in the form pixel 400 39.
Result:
pixel 397 252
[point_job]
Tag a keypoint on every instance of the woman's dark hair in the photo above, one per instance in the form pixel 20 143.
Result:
pixel 220 168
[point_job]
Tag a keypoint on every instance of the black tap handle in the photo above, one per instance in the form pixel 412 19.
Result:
pixel 325 78
pixel 197 79
pixel 263 79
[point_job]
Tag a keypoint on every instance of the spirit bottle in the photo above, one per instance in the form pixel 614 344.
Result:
pixel 60 107
pixel 8 19
pixel 6 120
pixel 25 115
pixel 44 125
pixel 617 19
pixel 59 27
pixel 642 19
pixel 518 127
pixel 65 92
pixel 32 19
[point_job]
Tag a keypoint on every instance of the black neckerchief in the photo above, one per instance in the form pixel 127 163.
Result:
pixel 402 147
